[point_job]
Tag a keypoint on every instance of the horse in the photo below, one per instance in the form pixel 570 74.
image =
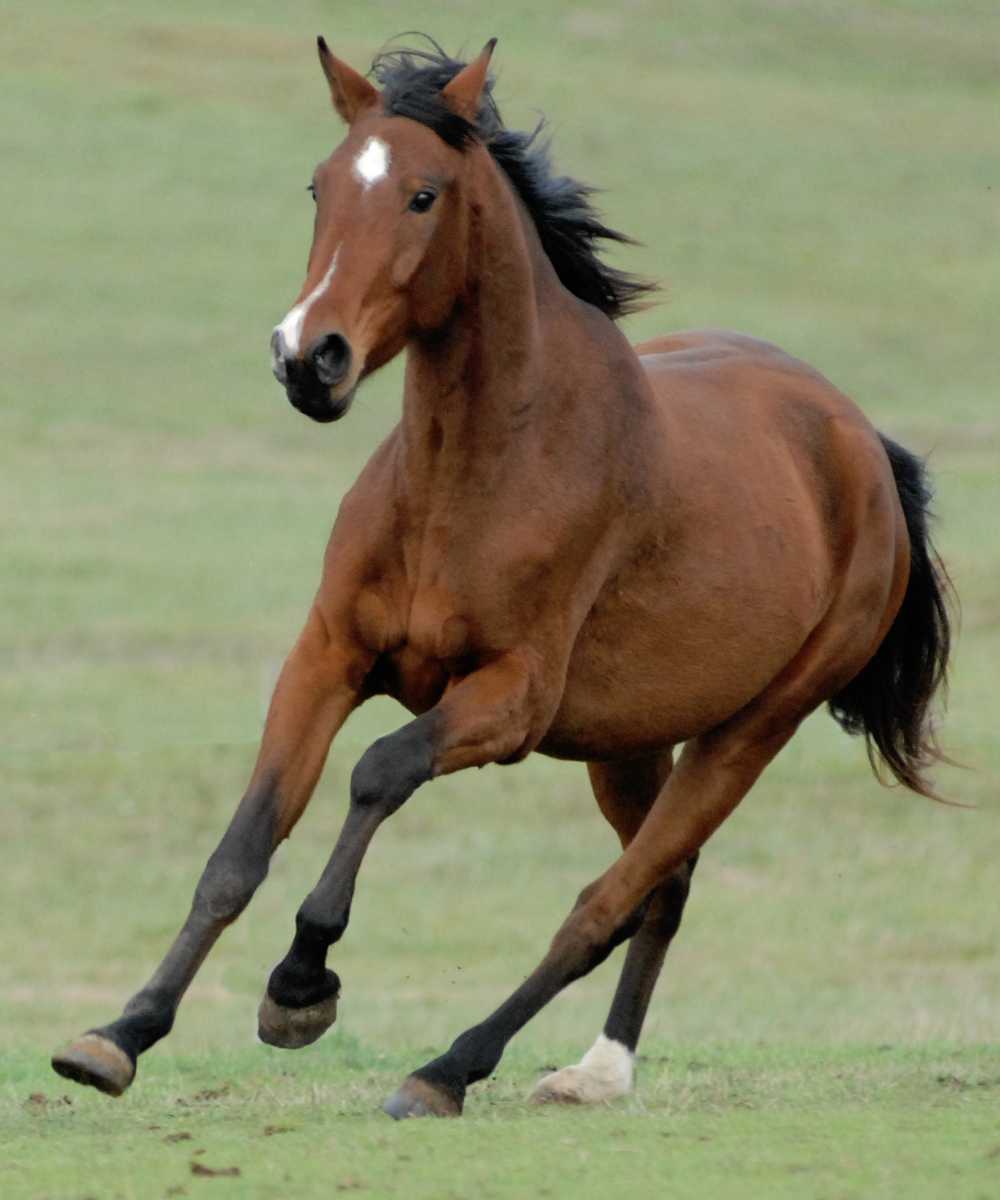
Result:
pixel 655 560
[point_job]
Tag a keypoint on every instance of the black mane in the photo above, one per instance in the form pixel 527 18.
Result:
pixel 567 222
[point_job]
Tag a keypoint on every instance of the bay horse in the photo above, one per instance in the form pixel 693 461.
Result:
pixel 567 545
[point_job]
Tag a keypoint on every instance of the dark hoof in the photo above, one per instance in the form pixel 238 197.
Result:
pixel 418 1098
pixel 97 1061
pixel 291 1028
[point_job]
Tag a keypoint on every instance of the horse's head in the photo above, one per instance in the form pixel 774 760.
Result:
pixel 388 253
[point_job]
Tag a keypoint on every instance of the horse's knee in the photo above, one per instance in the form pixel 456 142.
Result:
pixel 239 863
pixel 392 768
pixel 592 930
pixel 666 906
pixel 226 888
pixel 371 776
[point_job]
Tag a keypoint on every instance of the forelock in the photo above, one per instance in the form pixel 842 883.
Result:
pixel 412 80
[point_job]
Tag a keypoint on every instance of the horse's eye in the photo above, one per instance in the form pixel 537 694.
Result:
pixel 422 201
pixel 311 189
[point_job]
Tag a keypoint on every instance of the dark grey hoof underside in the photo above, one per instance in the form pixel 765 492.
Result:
pixel 291 1028
pixel 96 1061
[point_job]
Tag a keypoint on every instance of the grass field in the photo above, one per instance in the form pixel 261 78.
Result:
pixel 828 1026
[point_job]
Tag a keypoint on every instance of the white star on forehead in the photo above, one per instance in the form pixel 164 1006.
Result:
pixel 372 163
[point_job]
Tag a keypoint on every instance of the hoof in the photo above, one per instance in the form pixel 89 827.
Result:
pixel 418 1098
pixel 568 1086
pixel 97 1061
pixel 291 1028
pixel 604 1073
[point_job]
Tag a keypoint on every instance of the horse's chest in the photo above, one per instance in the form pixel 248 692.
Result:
pixel 423 641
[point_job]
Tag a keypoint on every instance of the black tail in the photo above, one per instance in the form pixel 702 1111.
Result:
pixel 890 700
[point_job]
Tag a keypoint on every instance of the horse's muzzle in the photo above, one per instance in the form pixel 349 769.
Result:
pixel 310 381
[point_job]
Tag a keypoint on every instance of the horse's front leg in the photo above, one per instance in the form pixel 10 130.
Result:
pixel 316 691
pixel 484 718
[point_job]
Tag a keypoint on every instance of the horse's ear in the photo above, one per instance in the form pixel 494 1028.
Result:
pixel 463 93
pixel 351 92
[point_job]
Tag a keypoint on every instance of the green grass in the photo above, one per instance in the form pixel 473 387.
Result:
pixel 727 1122
pixel 822 175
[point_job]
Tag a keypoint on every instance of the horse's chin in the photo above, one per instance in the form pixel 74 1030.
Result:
pixel 322 408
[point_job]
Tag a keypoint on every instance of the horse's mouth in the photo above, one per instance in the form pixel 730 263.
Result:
pixel 316 402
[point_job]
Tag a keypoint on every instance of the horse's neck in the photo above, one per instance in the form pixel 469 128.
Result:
pixel 477 391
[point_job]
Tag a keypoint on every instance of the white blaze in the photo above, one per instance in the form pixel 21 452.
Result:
pixel 291 326
pixel 372 164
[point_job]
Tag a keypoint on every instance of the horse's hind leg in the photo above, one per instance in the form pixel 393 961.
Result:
pixel 314 696
pixel 625 793
pixel 711 777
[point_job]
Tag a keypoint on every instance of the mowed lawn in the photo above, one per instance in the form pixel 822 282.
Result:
pixel 828 1026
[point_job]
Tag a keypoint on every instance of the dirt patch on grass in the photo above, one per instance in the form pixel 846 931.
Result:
pixel 200 1169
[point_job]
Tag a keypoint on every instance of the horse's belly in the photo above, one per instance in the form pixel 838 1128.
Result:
pixel 625 707
pixel 646 675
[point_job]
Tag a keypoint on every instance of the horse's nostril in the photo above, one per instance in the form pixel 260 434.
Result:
pixel 331 359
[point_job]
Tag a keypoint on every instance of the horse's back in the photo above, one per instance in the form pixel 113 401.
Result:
pixel 677 364
pixel 727 397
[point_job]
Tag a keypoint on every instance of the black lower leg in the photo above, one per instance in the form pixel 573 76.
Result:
pixel 385 777
pixel 105 1058
pixel 475 1054
pixel 302 979
pixel 644 960
pixel 231 876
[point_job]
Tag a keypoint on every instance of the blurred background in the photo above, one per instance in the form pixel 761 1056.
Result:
pixel 821 175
